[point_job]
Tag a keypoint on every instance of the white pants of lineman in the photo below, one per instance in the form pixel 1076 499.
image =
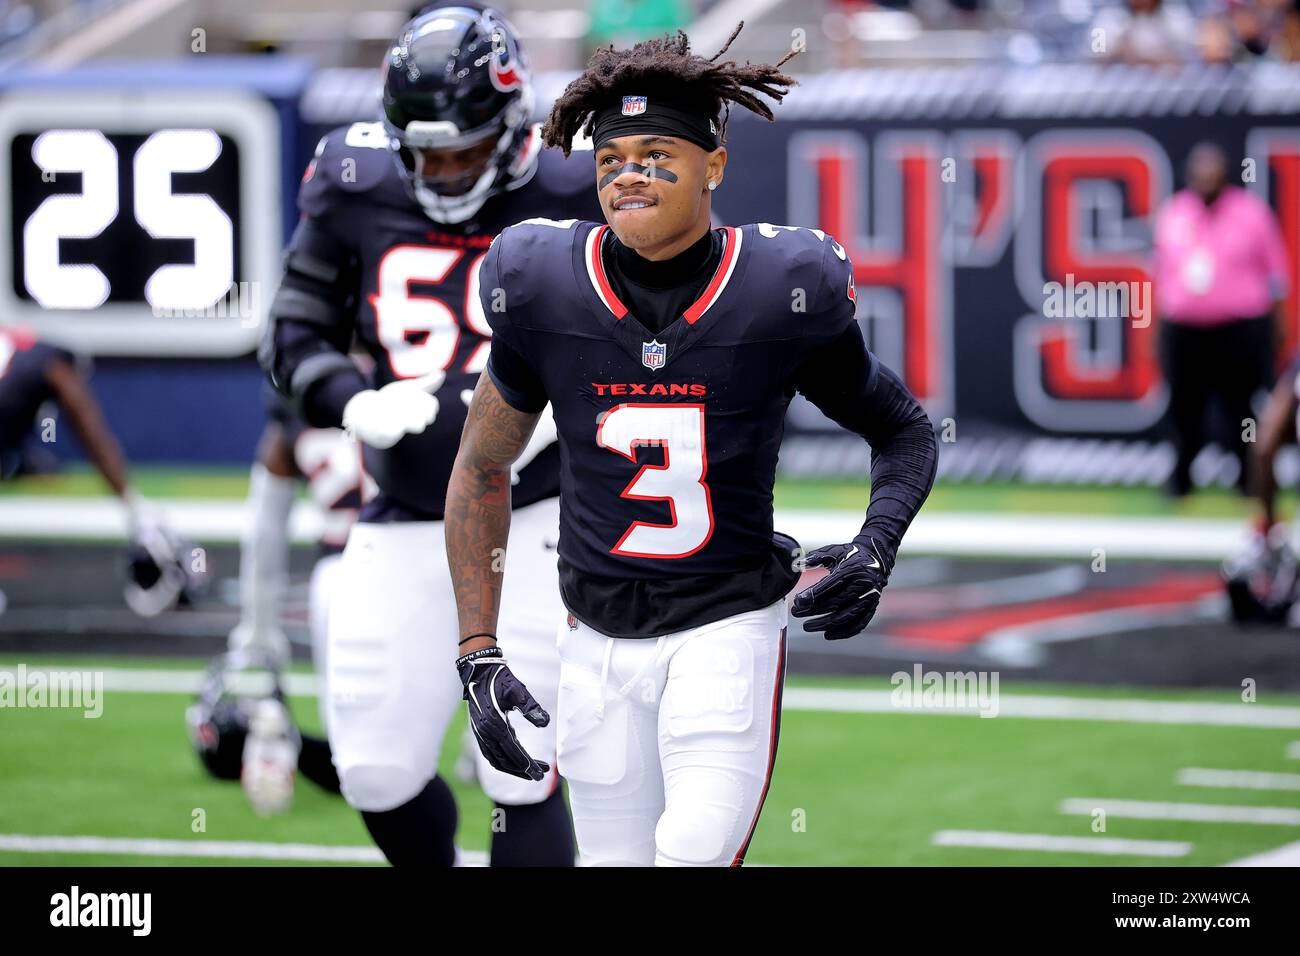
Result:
pixel 668 745
pixel 320 592
pixel 392 684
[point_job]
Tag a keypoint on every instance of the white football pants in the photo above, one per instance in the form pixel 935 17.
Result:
pixel 668 745
pixel 320 591
pixel 392 684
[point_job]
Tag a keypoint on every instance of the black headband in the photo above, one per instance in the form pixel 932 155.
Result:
pixel 654 115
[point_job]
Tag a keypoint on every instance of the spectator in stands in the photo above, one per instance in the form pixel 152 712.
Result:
pixel 1286 42
pixel 1215 41
pixel 1258 23
pixel 1144 31
pixel 1220 279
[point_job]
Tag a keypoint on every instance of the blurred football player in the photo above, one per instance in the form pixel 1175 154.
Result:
pixel 1262 577
pixel 291 453
pixel 32 373
pixel 668 352
pixel 397 218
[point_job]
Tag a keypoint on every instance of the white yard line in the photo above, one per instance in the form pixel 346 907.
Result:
pixel 826 700
pixel 204 849
pixel 1288 855
pixel 1191 812
pixel 1238 779
pixel 207 849
pixel 1169 537
pixel 1293 750
pixel 1049 843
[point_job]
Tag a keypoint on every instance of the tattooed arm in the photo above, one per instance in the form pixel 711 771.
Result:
pixel 477 521
pixel 477 514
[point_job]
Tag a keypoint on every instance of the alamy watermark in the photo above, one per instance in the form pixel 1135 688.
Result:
pixel 945 690
pixel 40 688
pixel 1098 300
pixel 133 911
pixel 243 301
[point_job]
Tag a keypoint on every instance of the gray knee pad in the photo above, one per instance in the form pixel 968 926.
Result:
pixel 377 788
pixel 695 835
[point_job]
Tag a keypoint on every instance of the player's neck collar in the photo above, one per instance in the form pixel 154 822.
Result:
pixel 699 257
pixel 594 258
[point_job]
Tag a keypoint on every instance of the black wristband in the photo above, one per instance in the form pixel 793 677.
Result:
pixel 472 636
pixel 482 652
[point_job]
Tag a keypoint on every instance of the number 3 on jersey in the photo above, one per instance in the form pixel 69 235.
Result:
pixel 679 430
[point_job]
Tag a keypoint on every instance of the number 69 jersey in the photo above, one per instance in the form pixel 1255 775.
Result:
pixel 416 297
pixel 668 441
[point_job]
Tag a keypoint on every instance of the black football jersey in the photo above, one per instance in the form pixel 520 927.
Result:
pixel 23 390
pixel 668 441
pixel 417 303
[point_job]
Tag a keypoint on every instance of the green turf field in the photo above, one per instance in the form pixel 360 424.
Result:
pixel 228 483
pixel 850 788
pixel 865 788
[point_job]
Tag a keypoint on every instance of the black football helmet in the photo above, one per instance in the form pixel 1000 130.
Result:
pixel 161 573
pixel 455 79
pixel 219 719
pixel 1263 579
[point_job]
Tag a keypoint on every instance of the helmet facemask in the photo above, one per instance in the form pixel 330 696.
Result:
pixel 456 198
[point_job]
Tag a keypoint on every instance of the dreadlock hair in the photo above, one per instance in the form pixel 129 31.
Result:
pixel 666 66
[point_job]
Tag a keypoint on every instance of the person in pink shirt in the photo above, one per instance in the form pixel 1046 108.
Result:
pixel 1220 280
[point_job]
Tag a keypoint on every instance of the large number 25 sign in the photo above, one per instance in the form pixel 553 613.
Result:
pixel 162 213
pixel 679 430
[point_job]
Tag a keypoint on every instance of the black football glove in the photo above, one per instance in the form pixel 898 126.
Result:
pixel 492 692
pixel 847 598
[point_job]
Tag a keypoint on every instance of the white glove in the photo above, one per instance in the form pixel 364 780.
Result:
pixel 380 417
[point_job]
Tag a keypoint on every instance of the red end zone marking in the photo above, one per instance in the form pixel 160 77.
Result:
pixel 1174 588
pixel 15 566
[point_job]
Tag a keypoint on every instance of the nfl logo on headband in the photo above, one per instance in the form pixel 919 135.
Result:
pixel 633 105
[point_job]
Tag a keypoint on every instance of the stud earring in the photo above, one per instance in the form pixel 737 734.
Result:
pixel 712 185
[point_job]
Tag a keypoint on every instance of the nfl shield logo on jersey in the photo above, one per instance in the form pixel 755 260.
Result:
pixel 633 105
pixel 653 354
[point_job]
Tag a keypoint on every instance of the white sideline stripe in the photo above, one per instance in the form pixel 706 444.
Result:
pixel 1048 843
pixel 1038 707
pixel 820 699
pixel 1192 812
pixel 140 681
pixel 205 849
pixel 1167 537
pixel 103 519
pixel 1288 855
pixel 1019 535
pixel 1238 779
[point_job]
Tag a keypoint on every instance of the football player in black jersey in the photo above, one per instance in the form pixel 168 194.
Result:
pixel 668 353
pixel 397 219
pixel 34 372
